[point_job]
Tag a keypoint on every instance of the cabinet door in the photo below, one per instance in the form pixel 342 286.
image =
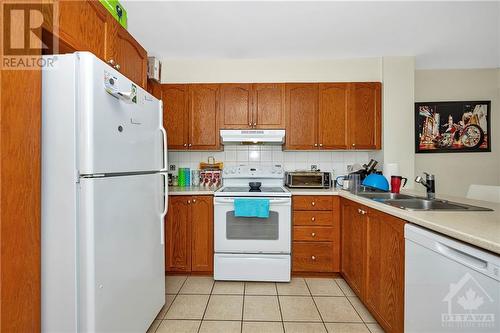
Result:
pixel 236 106
pixel 175 114
pixel 203 117
pixel 332 124
pixel 178 235
pixel 269 105
pixel 202 234
pixel 125 51
pixel 301 116
pixel 154 88
pixel 82 26
pixel 365 115
pixel 353 245
pixel 385 270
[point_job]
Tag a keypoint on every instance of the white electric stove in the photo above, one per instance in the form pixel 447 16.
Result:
pixel 250 248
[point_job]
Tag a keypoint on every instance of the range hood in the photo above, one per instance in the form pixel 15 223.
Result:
pixel 276 137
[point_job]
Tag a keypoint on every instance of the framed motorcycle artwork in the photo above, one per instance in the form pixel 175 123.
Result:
pixel 452 127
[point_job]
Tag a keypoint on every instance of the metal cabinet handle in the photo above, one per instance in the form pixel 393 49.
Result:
pixel 254 124
pixel 313 234
pixel 313 203
pixel 354 145
pixel 313 257
pixel 250 124
pixel 185 145
pixel 315 145
pixel 194 200
pixel 111 62
pixel 189 201
pixel 313 219
pixel 117 67
pixel 189 145
pixel 361 211
pixel 321 145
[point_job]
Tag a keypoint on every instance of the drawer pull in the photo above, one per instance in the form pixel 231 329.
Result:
pixel 313 203
pixel 313 257
pixel 313 234
pixel 313 219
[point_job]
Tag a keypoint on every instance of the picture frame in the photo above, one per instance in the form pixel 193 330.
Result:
pixel 452 127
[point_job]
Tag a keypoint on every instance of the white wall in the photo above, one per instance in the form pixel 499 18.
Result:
pixel 456 171
pixel 228 70
pixel 395 73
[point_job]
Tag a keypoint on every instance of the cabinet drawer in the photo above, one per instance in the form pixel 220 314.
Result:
pixel 314 234
pixel 312 218
pixel 312 257
pixel 312 202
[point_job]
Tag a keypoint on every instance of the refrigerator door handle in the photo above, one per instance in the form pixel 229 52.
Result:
pixel 164 134
pixel 165 207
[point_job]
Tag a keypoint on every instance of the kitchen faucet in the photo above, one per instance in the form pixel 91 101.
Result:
pixel 429 183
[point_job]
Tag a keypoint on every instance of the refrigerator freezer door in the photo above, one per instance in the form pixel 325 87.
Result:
pixel 122 279
pixel 119 125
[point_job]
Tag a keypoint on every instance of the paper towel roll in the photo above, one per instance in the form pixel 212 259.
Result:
pixel 390 169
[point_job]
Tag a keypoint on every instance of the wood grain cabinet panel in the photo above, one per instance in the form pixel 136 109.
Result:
pixel 313 218
pixel 332 122
pixel 353 238
pixel 301 103
pixel 175 114
pixel 317 234
pixel 365 115
pixel 178 235
pixel 83 26
pixel 268 105
pixel 202 234
pixel 236 106
pixel 125 51
pixel 385 251
pixel 312 257
pixel 312 202
pixel 203 117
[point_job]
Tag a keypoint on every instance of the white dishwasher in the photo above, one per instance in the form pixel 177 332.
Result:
pixel 449 286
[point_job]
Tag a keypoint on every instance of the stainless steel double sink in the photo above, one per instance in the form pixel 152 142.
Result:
pixel 410 202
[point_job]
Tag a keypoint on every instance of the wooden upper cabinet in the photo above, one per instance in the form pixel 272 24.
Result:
pixel 154 88
pixel 178 231
pixel 365 115
pixel 268 105
pixel 202 234
pixel 127 53
pixel 333 110
pixel 236 106
pixel 203 117
pixel 83 26
pixel 175 114
pixel 385 252
pixel 353 245
pixel 301 103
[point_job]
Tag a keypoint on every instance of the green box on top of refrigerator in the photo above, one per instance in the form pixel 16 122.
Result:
pixel 117 10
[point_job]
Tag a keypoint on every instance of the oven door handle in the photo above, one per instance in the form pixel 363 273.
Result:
pixel 271 201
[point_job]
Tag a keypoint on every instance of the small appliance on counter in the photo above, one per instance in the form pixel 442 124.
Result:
pixel 308 179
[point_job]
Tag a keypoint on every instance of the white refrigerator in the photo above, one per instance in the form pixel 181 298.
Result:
pixel 104 197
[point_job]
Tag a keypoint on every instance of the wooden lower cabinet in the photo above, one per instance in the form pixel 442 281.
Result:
pixel 385 251
pixel 189 234
pixel 373 262
pixel 316 233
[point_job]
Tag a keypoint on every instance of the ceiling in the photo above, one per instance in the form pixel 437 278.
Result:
pixel 439 34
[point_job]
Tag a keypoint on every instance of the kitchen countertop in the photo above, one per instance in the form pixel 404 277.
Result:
pixel 481 229
pixel 191 190
pixel 313 191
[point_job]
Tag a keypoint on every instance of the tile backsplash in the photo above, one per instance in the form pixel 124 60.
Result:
pixel 336 161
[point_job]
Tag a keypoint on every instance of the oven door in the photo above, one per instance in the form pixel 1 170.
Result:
pixel 252 235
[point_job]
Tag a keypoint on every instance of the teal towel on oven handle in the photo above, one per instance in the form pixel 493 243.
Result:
pixel 251 208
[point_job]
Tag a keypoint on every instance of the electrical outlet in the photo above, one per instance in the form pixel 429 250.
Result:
pixel 172 167
pixel 314 167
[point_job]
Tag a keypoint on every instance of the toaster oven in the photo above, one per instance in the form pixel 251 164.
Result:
pixel 308 179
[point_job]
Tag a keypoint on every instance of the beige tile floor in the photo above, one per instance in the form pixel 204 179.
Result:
pixel 312 305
